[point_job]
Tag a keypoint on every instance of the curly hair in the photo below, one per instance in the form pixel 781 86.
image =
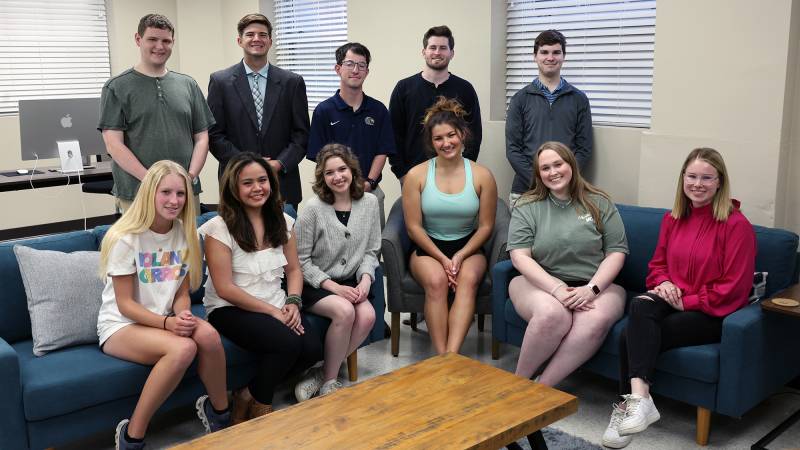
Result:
pixel 232 211
pixel 445 111
pixel 337 151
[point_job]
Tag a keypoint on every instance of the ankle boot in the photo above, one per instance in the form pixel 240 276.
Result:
pixel 240 411
pixel 259 409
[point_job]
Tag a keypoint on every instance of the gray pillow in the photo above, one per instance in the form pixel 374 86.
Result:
pixel 64 296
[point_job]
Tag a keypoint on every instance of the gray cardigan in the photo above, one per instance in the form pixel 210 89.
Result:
pixel 328 249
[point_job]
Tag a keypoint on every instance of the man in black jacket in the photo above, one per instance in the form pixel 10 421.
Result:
pixel 260 108
pixel 413 95
pixel 548 109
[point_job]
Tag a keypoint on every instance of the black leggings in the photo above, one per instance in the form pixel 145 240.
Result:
pixel 655 327
pixel 283 353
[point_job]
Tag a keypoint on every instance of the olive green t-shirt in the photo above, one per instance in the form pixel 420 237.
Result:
pixel 159 117
pixel 565 241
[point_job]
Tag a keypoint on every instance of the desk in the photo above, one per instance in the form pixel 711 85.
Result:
pixel 792 292
pixel 444 402
pixel 101 172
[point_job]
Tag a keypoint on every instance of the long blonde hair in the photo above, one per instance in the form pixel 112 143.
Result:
pixel 722 206
pixel 140 216
pixel 579 188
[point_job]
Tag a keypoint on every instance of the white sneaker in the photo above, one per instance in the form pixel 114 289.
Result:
pixel 640 412
pixel 611 437
pixel 330 387
pixel 308 386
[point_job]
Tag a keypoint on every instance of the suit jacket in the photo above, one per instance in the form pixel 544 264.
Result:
pixel 285 124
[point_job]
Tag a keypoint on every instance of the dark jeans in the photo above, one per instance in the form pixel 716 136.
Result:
pixel 283 353
pixel 655 327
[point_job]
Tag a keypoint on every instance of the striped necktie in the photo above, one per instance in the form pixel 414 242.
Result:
pixel 258 99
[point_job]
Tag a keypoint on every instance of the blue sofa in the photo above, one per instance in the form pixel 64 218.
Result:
pixel 78 391
pixel 756 357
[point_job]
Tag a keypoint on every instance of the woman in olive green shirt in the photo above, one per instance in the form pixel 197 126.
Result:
pixel 567 240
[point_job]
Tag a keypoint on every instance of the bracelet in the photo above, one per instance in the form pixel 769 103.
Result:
pixel 165 321
pixel 553 291
pixel 294 299
pixel 373 183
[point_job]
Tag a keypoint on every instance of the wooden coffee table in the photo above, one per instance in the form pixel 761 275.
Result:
pixel 447 401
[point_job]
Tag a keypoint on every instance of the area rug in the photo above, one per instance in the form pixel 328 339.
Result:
pixel 559 440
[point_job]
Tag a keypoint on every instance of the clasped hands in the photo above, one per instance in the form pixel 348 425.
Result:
pixel 289 315
pixel 183 323
pixel 354 295
pixel 670 293
pixel 579 298
pixel 451 267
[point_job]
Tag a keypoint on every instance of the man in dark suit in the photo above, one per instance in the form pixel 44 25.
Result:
pixel 260 108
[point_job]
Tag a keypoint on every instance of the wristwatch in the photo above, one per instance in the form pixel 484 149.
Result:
pixel 373 183
pixel 594 288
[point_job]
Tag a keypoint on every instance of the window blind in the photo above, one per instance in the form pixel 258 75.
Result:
pixel 52 49
pixel 610 46
pixel 307 33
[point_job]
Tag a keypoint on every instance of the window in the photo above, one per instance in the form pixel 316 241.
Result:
pixel 609 55
pixel 307 33
pixel 52 49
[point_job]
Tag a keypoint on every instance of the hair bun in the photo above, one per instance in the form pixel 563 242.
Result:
pixel 444 104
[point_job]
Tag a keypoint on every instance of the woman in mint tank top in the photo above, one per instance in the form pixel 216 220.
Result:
pixel 449 206
pixel 568 242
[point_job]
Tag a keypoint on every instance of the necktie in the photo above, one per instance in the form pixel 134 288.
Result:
pixel 258 99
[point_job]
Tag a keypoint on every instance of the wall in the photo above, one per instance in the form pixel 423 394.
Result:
pixel 722 88
pixel 205 41
pixel 789 182
pixel 730 82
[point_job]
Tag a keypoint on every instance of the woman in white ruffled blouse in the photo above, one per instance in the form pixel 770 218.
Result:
pixel 249 248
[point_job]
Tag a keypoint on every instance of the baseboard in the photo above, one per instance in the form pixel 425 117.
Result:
pixel 56 227
pixel 69 225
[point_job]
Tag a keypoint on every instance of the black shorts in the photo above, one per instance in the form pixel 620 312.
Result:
pixel 449 248
pixel 312 295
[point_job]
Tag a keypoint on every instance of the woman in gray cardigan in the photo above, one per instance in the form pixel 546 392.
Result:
pixel 338 240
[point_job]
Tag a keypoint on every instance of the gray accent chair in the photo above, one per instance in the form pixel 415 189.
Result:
pixel 403 292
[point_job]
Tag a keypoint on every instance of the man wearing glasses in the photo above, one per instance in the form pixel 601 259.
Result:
pixel 413 95
pixel 260 108
pixel 355 119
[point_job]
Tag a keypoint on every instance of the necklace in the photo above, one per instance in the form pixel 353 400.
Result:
pixel 557 202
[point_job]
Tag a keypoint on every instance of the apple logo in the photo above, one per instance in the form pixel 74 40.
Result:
pixel 66 121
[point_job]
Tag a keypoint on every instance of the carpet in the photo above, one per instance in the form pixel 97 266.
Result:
pixel 559 440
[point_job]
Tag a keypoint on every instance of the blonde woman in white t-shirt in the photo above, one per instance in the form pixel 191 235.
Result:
pixel 145 317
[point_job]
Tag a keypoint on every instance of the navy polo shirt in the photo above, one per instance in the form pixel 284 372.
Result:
pixel 367 131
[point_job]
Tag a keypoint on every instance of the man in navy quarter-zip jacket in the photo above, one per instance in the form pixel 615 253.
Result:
pixel 548 109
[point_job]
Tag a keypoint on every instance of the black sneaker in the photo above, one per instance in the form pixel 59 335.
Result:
pixel 119 438
pixel 211 420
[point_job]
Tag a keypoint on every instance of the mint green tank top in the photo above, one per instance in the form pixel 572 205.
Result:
pixel 448 217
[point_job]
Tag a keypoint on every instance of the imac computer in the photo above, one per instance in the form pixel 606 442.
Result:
pixel 43 123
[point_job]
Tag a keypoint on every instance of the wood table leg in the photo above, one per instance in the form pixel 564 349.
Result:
pixel 481 318
pixel 495 349
pixel 395 333
pixel 703 425
pixel 352 366
pixel 412 319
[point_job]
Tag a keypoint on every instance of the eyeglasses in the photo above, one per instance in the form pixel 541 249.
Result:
pixel 702 179
pixel 351 65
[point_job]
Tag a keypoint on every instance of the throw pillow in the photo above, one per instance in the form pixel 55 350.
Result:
pixel 64 296
pixel 759 287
